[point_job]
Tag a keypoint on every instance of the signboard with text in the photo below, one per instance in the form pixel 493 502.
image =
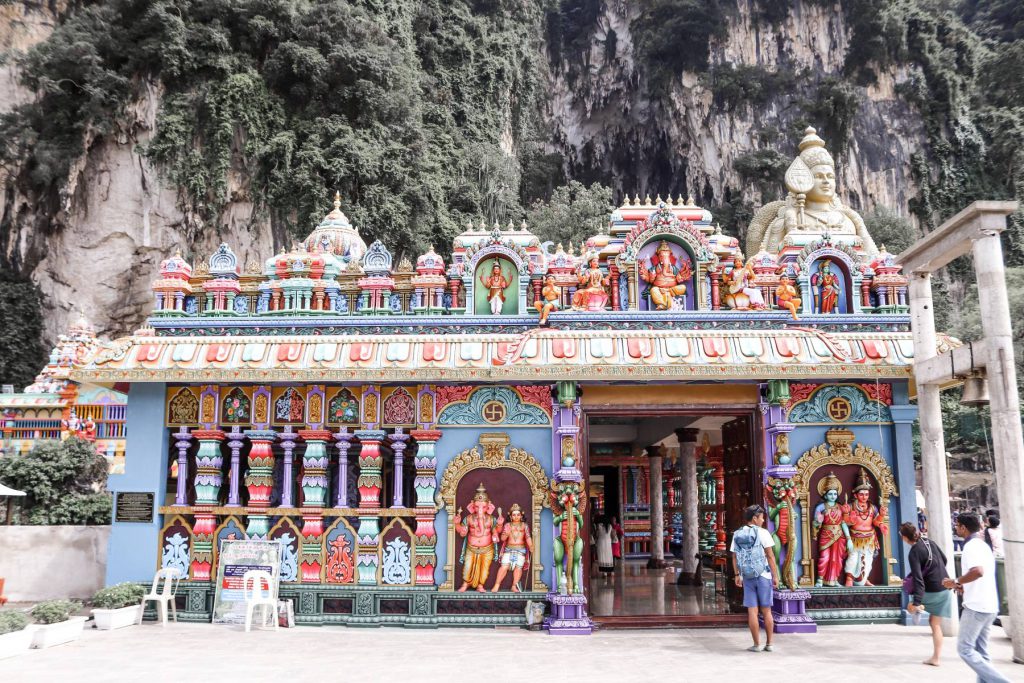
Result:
pixel 132 506
pixel 235 559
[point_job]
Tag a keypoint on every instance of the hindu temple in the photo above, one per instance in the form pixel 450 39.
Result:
pixel 432 441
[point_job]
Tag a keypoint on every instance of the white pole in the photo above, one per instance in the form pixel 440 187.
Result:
pixel 1007 440
pixel 935 480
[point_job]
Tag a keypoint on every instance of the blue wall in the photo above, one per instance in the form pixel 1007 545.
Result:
pixel 534 440
pixel 132 553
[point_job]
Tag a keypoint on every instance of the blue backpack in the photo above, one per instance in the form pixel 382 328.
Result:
pixel 750 556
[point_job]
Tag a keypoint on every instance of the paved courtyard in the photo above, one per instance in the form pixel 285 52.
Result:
pixel 226 654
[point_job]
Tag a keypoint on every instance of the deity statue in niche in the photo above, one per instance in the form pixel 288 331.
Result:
pixel 832 533
pixel 480 530
pixel 552 295
pixel 811 207
pixel 740 292
pixel 495 284
pixel 786 295
pixel 864 521
pixel 591 295
pixel 566 501
pixel 667 277
pixel 783 492
pixel 826 286
pixel 515 551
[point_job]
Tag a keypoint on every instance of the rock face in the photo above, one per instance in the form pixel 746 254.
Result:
pixel 98 251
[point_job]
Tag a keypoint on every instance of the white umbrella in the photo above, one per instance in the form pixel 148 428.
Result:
pixel 6 491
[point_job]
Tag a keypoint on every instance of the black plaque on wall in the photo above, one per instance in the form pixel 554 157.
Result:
pixel 134 507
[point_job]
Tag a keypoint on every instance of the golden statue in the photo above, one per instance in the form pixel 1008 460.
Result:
pixel 811 207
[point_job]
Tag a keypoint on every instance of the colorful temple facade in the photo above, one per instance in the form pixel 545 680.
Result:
pixel 431 442
pixel 54 407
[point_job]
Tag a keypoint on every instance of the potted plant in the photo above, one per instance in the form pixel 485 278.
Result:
pixel 55 625
pixel 117 606
pixel 14 637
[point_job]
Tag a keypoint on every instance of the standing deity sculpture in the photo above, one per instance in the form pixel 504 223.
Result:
pixel 496 285
pixel 741 294
pixel 831 532
pixel 566 500
pixel 552 295
pixel 826 287
pixel 591 295
pixel 516 548
pixel 782 514
pixel 480 530
pixel 667 281
pixel 864 520
pixel 811 207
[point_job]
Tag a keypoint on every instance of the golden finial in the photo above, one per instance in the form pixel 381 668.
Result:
pixel 636 200
pixel 523 225
pixel 572 249
pixel 658 200
pixel 689 200
pixel 559 248
pixel 647 200
pixel 679 200
pixel 337 201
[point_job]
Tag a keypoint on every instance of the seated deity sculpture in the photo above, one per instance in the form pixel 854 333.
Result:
pixel 591 295
pixel 667 280
pixel 741 294
pixel 812 206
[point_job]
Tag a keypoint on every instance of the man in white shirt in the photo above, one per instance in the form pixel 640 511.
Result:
pixel 748 545
pixel 980 599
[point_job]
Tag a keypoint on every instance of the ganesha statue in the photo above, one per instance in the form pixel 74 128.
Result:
pixel 666 277
pixel 479 529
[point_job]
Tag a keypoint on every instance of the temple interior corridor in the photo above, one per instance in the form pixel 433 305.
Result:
pixel 634 590
pixel 681 479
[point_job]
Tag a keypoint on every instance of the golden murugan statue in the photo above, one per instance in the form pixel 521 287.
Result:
pixel 811 207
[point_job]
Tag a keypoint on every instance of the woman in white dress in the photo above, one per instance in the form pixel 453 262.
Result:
pixel 605 560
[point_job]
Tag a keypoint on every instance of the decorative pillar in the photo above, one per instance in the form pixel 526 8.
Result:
pixel 369 484
pixel 613 276
pixel 654 480
pixel 287 484
pixel 691 523
pixel 716 296
pixel 568 602
pixel 344 439
pixel 259 480
pixel 865 293
pixel 207 488
pixel 398 445
pixel 426 486
pixel 314 498
pixel 182 443
pixel 370 480
pixel 788 601
pixel 235 444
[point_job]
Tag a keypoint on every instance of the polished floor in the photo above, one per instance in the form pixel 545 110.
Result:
pixel 634 590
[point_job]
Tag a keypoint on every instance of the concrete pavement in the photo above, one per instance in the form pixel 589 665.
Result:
pixel 225 654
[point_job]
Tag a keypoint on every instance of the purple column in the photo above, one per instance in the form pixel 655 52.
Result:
pixel 344 439
pixel 288 444
pixel 184 440
pixel 398 444
pixel 235 444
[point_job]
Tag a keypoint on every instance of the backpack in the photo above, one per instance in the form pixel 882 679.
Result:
pixel 750 556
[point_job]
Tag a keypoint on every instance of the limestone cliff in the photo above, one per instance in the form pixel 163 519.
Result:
pixel 95 244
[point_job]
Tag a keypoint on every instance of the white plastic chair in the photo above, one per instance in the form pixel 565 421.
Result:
pixel 256 597
pixel 166 580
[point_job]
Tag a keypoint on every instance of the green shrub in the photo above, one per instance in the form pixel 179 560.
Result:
pixel 117 596
pixel 11 621
pixel 55 611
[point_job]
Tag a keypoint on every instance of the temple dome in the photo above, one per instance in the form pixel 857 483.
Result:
pixel 336 235
pixel 430 263
pixel 175 268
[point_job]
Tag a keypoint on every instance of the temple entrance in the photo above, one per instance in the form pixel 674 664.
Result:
pixel 705 470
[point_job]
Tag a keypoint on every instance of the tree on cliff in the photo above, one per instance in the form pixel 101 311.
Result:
pixel 64 483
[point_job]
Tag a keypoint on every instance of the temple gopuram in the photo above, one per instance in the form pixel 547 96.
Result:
pixel 432 442
pixel 54 407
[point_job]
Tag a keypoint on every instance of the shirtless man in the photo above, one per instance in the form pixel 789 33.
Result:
pixel 516 549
